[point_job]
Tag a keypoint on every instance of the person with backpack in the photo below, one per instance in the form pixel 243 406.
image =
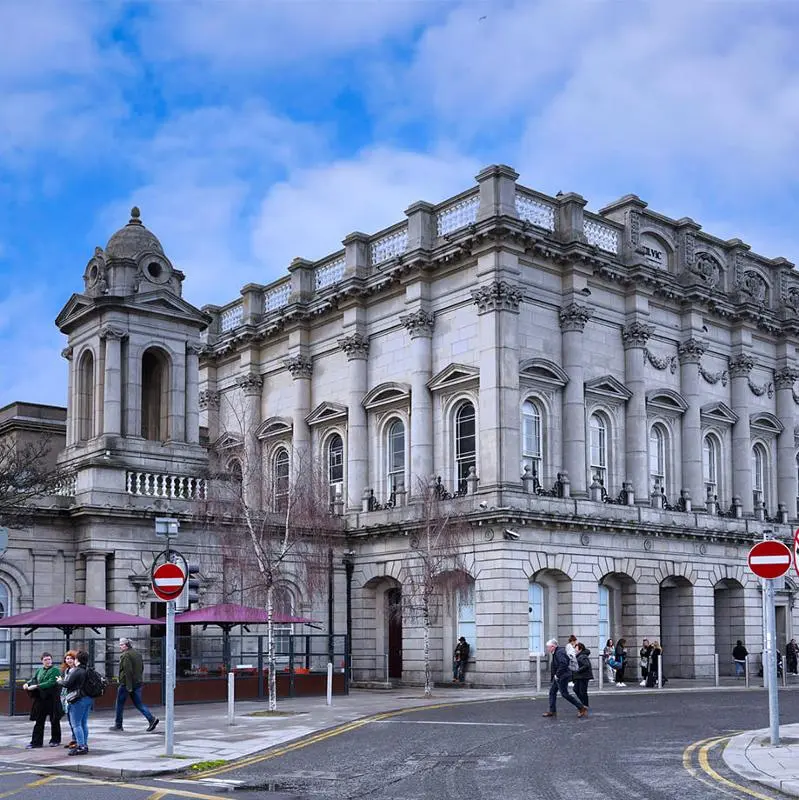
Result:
pixel 131 672
pixel 43 688
pixel 80 703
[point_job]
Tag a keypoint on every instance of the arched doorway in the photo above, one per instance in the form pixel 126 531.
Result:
pixel 377 655
pixel 677 627
pixel 728 618
pixel 618 609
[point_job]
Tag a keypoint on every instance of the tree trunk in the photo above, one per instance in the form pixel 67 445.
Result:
pixel 428 682
pixel 270 648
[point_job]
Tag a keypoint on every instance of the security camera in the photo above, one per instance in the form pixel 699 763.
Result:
pixel 484 505
pixel 510 535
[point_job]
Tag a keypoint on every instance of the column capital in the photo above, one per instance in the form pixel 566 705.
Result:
pixel 95 555
pixel 497 296
pixel 741 365
pixel 67 353
pixel 636 334
pixel 691 350
pixel 419 323
pixel 194 348
pixel 208 399
pixel 250 383
pixel 299 366
pixel 574 317
pixel 786 377
pixel 356 346
pixel 113 332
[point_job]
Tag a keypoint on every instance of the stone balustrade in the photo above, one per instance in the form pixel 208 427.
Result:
pixel 65 486
pixel 601 235
pixel 277 297
pixel 231 316
pixel 453 216
pixel 330 273
pixel 173 487
pixel 535 210
pixel 390 245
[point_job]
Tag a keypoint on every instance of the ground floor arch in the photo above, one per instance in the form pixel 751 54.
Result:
pixel 728 619
pixel 677 627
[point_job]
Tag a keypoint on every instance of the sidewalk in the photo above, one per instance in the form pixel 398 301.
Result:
pixel 202 732
pixel 751 755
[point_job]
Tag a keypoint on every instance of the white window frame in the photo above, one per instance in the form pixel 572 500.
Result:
pixel 281 484
pixel 335 487
pixel 598 466
pixel 658 445
pixel 533 438
pixel 463 460
pixel 710 463
pixel 536 594
pixel 465 617
pixel 395 475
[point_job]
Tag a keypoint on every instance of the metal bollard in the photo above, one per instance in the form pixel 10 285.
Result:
pixel 716 667
pixel 538 672
pixel 231 698
pixel 601 661
pixel 746 671
pixel 329 683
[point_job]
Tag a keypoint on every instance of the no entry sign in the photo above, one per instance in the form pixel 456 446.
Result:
pixel 770 559
pixel 168 581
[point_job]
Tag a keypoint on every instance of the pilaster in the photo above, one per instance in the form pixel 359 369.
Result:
pixel 251 385
pixel 356 346
pixel 787 488
pixel 690 352
pixel 739 368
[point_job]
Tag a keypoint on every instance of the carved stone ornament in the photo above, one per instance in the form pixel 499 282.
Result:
pixel 573 317
pixel 208 399
pixel 420 323
pixel 67 353
pixel 666 362
pixel 741 366
pixel 688 246
pixel 792 300
pixel 497 296
pixel 194 348
pixel 112 332
pixel 759 391
pixel 299 366
pixel 714 377
pixel 636 334
pixel 355 346
pixel 690 351
pixel 786 377
pixel 250 383
pixel 634 226
pixel 708 269
pixel 755 286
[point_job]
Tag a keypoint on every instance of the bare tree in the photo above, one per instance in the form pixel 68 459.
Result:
pixel 272 530
pixel 436 568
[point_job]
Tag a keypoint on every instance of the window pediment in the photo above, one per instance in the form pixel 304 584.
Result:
pixel 763 422
pixel 718 412
pixel 454 376
pixel 608 388
pixel 543 371
pixel 666 400
pixel 228 441
pixel 387 394
pixel 274 426
pixel 327 412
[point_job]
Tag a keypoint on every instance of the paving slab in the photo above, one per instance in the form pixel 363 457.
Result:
pixel 752 756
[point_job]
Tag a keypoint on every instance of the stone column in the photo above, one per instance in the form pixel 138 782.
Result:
pixel 133 391
pixel 420 328
pixel 690 352
pixel 95 578
pixel 573 319
pixel 177 399
pixel 72 406
pixel 112 395
pixel 252 472
pixel 498 413
pixel 301 369
pixel 193 392
pixel 740 367
pixel 787 488
pixel 356 346
pixel 635 336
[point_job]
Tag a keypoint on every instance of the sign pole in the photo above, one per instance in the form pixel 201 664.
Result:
pixel 771 659
pixel 170 677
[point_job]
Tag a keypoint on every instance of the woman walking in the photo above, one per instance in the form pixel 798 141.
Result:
pixel 80 704
pixel 583 674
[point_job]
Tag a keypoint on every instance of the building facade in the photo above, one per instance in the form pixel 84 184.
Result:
pixel 608 399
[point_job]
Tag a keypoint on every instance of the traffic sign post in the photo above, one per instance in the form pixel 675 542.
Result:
pixel 168 581
pixel 770 559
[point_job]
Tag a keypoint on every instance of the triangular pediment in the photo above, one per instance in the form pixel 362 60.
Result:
pixel 76 307
pixel 454 375
pixel 542 370
pixel 666 400
pixel 228 441
pixel 386 394
pixel 327 412
pixel 162 301
pixel 718 412
pixel 608 387
pixel 274 426
pixel 763 422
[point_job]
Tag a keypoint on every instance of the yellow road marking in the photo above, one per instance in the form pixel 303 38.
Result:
pixel 33 784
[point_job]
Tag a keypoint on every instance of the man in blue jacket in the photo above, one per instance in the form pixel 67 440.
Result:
pixel 561 675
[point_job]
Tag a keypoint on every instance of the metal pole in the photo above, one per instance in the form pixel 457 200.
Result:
pixel 538 672
pixel 771 664
pixel 231 698
pixel 746 670
pixel 170 677
pixel 601 660
pixel 329 683
pixel 716 667
pixel 330 653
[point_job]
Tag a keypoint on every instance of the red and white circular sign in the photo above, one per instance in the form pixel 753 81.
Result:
pixel 168 581
pixel 770 559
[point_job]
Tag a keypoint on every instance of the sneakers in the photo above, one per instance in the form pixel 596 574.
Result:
pixel 153 725
pixel 583 712
pixel 116 728
pixel 620 685
pixel 72 744
pixel 32 746
pixel 78 751
pixel 55 744
pixel 549 714
pixel 643 683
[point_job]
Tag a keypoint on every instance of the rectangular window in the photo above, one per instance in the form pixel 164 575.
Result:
pixel 604 616
pixel 599 461
pixel 536 617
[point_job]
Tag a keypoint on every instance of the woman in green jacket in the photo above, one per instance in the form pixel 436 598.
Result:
pixel 46 703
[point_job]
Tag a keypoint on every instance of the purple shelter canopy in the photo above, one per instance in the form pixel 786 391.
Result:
pixel 227 615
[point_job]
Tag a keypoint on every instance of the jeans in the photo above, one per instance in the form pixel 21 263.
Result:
pixel 135 696
pixel 562 685
pixel 740 667
pixel 79 719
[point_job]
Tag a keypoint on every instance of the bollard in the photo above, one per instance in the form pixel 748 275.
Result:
pixel 538 672
pixel 784 676
pixel 329 683
pixel 231 698
pixel 746 671
pixel 601 661
pixel 716 667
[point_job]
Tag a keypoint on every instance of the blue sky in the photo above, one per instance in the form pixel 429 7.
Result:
pixel 250 132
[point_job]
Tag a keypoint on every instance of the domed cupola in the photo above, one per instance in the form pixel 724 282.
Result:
pixel 133 262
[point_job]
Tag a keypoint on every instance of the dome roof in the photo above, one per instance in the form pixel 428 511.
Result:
pixel 133 240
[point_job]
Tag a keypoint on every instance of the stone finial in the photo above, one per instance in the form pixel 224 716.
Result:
pixel 135 216
pixel 741 365
pixel 691 351
pixel 636 334
pixel 574 317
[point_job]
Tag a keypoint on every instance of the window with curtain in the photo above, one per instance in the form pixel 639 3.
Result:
pixel 604 616
pixel 598 444
pixel 280 478
pixel 657 458
pixel 395 450
pixel 532 439
pixel 466 624
pixel 465 444
pixel 535 602
pixel 710 465
pixel 335 466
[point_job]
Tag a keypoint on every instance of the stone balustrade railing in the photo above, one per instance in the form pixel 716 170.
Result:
pixel 231 317
pixel 277 297
pixel 173 487
pixel 601 235
pixel 535 210
pixel 66 486
pixel 457 215
pixel 389 245
pixel 330 273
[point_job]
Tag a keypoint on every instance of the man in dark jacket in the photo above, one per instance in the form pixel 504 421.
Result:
pixel 739 654
pixel 583 673
pixel 561 675
pixel 131 671
pixel 460 659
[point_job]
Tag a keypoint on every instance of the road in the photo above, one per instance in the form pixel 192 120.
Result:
pixel 632 746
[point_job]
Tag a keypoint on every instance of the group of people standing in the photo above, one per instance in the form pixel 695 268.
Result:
pixel 650 658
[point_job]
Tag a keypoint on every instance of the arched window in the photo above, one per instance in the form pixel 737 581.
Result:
pixel 532 439
pixel 465 445
pixel 236 475
pixel 280 478
pixel 395 450
pixel 760 476
pixel 535 608
pixel 657 459
pixel 710 465
pixel 466 624
pixel 335 466
pixel 154 396
pixel 5 633
pixel 604 616
pixel 85 407
pixel 599 453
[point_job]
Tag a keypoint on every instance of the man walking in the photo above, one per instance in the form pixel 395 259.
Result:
pixel 561 675
pixel 131 671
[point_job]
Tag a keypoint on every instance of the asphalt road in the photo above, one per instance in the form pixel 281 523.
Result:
pixel 632 745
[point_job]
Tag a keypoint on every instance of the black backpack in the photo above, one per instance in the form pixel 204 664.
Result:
pixel 94 685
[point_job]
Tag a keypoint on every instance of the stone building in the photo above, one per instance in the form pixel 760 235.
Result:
pixel 608 399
